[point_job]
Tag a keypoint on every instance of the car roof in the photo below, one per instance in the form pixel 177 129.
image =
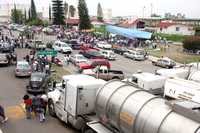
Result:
pixel 22 62
pixel 38 74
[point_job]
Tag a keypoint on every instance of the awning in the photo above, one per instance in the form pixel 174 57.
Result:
pixel 129 33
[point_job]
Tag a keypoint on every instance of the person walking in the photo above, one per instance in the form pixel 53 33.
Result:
pixel 66 59
pixel 28 106
pixel 2 114
pixel 44 102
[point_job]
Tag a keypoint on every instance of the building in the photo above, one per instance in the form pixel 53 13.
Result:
pixel 133 23
pixel 107 14
pixel 155 21
pixel 6 8
pixel 171 27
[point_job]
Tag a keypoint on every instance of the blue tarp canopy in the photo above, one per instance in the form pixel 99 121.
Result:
pixel 129 33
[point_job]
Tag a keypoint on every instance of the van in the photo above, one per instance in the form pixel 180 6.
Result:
pixel 62 47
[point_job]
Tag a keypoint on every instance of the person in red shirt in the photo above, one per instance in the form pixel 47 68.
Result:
pixel 28 106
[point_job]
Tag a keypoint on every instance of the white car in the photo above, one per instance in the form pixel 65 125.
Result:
pixel 62 47
pixel 104 45
pixel 135 55
pixel 108 54
pixel 77 58
pixel 23 69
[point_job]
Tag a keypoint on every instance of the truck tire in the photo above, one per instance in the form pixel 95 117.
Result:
pixel 115 78
pixel 89 131
pixel 51 108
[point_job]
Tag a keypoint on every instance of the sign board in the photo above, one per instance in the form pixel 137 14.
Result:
pixel 47 53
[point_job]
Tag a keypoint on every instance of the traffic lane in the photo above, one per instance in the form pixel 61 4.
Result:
pixel 11 92
pixel 129 66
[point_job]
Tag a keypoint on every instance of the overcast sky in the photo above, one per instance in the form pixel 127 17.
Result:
pixel 133 7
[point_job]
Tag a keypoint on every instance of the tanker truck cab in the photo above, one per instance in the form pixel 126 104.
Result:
pixel 72 101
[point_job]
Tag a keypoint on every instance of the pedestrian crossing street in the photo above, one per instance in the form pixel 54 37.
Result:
pixel 16 112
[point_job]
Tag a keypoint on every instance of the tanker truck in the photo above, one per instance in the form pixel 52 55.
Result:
pixel 119 107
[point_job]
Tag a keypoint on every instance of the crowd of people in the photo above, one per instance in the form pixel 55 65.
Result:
pixel 36 105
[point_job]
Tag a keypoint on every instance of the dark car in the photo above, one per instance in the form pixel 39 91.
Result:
pixel 38 83
pixel 120 50
pixel 92 54
pixel 75 45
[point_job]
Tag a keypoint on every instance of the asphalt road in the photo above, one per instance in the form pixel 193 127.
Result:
pixel 11 92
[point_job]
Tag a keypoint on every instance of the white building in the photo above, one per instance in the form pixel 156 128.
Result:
pixel 107 14
pixel 5 10
pixel 169 27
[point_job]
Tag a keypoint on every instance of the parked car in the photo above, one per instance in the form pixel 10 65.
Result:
pixel 135 55
pixel 75 44
pixel 164 62
pixel 104 45
pixel 23 69
pixel 6 48
pixel 77 58
pixel 37 44
pixel 120 50
pixel 104 73
pixel 92 54
pixel 108 54
pixel 4 59
pixel 38 83
pixel 62 47
pixel 92 63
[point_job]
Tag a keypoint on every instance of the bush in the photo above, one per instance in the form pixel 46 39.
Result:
pixel 36 22
pixel 192 43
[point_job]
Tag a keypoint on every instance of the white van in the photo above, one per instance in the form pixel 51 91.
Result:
pixel 62 47
pixel 108 54
pixel 135 55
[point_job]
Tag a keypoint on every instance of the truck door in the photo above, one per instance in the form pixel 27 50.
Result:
pixel 59 106
pixel 103 74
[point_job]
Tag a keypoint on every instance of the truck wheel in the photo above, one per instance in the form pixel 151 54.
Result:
pixel 89 131
pixel 115 78
pixel 51 108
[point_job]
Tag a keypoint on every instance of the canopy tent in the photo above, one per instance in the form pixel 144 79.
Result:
pixel 129 33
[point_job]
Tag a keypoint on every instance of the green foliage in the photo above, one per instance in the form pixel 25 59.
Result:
pixel 66 6
pixel 36 22
pixel 192 43
pixel 99 12
pixel 58 12
pixel 83 15
pixel 171 37
pixel 16 16
pixel 101 29
pixel 33 12
pixel 197 31
pixel 49 13
pixel 72 10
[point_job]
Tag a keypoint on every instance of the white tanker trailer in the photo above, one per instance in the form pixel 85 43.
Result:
pixel 122 108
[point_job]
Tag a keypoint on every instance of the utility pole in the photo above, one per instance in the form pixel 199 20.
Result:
pixel 143 11
pixel 151 9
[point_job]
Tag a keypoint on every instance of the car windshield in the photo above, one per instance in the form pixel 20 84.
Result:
pixel 81 57
pixel 65 45
pixel 95 53
pixel 36 78
pixel 23 66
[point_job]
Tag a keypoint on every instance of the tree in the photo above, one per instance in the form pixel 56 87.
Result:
pixel 58 12
pixel 49 13
pixel 155 15
pixel 83 15
pixel 33 11
pixel 25 15
pixel 72 10
pixel 16 16
pixel 66 9
pixel 99 12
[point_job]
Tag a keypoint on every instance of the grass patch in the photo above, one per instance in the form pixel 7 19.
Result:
pixel 59 73
pixel 170 37
pixel 177 55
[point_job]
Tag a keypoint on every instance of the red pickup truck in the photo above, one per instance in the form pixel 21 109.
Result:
pixel 92 63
